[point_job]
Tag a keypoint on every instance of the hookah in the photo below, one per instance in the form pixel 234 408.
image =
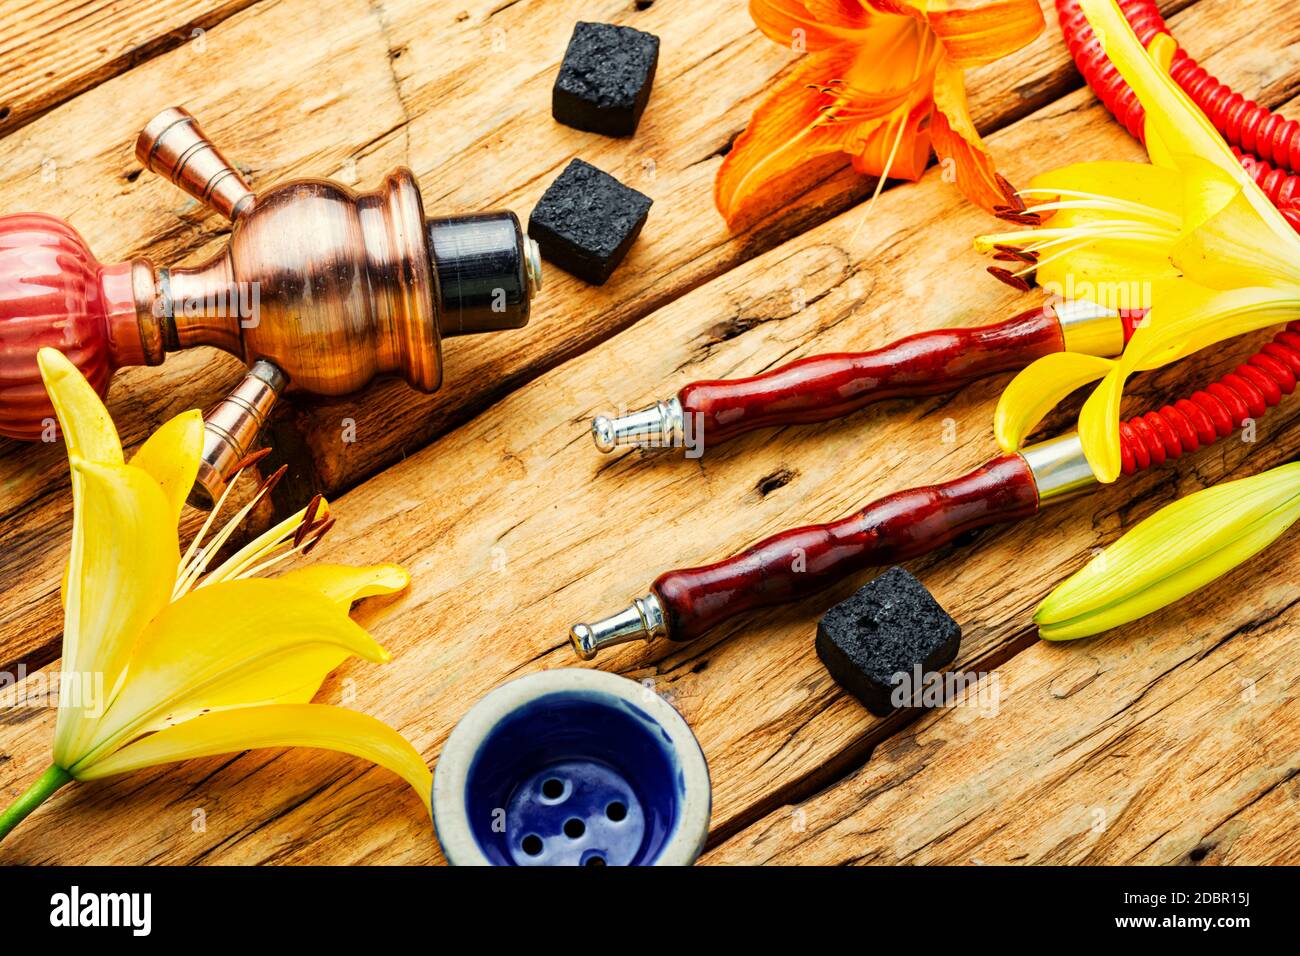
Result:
pixel 684 604
pixel 319 288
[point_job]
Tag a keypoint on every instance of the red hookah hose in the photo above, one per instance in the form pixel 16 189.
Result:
pixel 1255 129
pixel 1216 411
pixel 1257 136
pixel 1267 145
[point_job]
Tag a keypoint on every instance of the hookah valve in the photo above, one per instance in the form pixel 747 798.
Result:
pixel 319 289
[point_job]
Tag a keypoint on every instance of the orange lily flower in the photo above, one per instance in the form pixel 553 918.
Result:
pixel 882 82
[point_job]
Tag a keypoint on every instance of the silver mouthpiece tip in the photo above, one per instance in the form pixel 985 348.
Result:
pixel 642 621
pixel 655 426
pixel 603 434
pixel 583 641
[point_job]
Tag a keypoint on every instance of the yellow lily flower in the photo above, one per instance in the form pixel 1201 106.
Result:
pixel 1180 548
pixel 190 660
pixel 1188 236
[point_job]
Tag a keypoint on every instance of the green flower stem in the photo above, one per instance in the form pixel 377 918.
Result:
pixel 40 791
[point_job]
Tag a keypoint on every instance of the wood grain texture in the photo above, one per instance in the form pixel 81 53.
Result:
pixel 1171 740
pixel 513 527
pixel 405 82
pixel 51 50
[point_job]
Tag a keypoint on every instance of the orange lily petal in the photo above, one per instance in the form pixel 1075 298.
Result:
pixel 772 161
pixel 974 32
pixel 898 143
pixel 817 23
pixel 955 138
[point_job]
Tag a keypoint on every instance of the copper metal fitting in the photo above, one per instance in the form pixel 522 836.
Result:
pixel 321 288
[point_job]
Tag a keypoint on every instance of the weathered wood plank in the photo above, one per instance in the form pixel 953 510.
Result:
pixel 407 83
pixel 51 50
pixel 1173 740
pixel 513 528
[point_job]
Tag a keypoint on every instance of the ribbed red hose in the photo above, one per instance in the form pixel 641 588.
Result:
pixel 1254 129
pixel 1215 412
pixel 1259 138
pixel 1281 187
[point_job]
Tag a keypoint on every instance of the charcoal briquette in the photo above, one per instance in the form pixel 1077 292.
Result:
pixel 604 82
pixel 587 220
pixel 889 627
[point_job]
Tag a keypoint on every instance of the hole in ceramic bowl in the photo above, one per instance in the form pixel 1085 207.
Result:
pixel 602 751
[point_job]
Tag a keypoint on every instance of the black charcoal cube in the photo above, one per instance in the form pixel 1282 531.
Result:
pixel 587 220
pixel 888 628
pixel 605 79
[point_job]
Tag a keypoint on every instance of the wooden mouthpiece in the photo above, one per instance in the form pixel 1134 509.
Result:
pixel 787 567
pixel 824 387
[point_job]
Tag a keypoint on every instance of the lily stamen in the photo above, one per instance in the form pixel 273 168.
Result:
pixel 190 572
pixel 1099 202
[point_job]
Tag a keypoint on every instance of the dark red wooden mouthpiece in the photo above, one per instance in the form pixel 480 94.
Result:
pixel 799 563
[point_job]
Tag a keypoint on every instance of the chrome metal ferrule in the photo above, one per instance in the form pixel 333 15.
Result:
pixel 1089 329
pixel 655 426
pixel 1059 467
pixel 643 621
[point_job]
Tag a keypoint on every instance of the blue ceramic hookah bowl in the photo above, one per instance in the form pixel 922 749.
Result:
pixel 572 767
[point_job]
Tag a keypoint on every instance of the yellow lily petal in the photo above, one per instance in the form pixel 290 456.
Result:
pixel 345 584
pixel 1177 550
pixel 1207 190
pixel 1099 426
pixel 171 455
pixel 1162 48
pixel 1162 340
pixel 1036 390
pixel 1179 124
pixel 233 644
pixel 120 576
pixel 1232 247
pixel 1139 184
pixel 281 725
pixel 88 430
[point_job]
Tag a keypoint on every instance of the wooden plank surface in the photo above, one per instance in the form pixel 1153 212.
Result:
pixel 369 90
pixel 513 527
pixel 51 50
pixel 1167 741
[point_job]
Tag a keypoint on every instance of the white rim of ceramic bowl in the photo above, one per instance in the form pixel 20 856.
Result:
pixel 451 821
